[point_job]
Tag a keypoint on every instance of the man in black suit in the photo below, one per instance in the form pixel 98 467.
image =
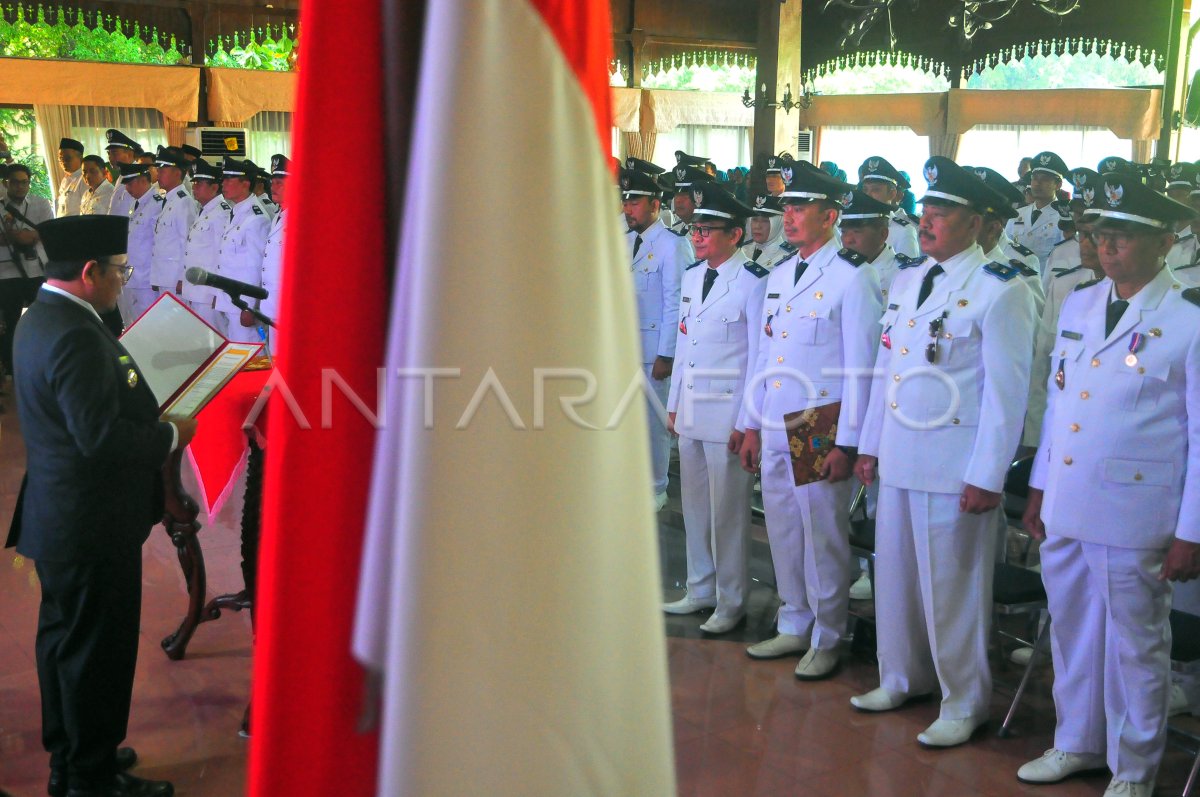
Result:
pixel 95 448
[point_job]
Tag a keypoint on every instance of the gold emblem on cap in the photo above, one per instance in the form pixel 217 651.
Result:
pixel 131 378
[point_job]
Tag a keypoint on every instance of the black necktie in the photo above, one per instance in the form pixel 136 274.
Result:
pixel 1034 216
pixel 927 283
pixel 136 202
pixel 757 252
pixel 1113 315
pixel 710 276
pixel 799 272
pixel 637 244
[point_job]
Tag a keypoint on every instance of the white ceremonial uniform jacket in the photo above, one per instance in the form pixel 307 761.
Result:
pixel 272 266
pixel 170 238
pixel 816 345
pixel 657 272
pixel 1183 253
pixel 1063 257
pixel 771 253
pixel 1189 275
pixel 887 266
pixel 95 201
pixel 70 193
pixel 37 210
pixel 1029 274
pixel 902 234
pixel 203 243
pixel 1039 236
pixel 935 427
pixel 120 203
pixel 1120 455
pixel 267 205
pixel 143 216
pixel 717 345
pixel 1060 288
pixel 1014 251
pixel 240 254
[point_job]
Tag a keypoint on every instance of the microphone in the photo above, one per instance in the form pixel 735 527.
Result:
pixel 198 276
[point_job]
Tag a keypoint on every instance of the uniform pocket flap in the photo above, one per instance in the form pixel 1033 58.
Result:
pixel 1135 471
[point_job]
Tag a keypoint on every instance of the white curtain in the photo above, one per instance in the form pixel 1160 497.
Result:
pixel 727 147
pixel 1001 147
pixel 53 125
pixel 848 147
pixel 270 133
pixel 88 123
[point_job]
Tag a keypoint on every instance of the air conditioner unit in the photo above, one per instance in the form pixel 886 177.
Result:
pixel 804 146
pixel 217 142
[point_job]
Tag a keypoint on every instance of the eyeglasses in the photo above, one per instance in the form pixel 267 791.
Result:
pixel 125 271
pixel 705 231
pixel 1122 239
pixel 935 329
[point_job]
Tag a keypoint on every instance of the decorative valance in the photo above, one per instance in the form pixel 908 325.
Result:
pixel 173 90
pixel 669 109
pixel 235 95
pixel 1128 113
pixel 924 113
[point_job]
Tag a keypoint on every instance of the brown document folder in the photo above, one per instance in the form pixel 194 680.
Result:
pixel 811 434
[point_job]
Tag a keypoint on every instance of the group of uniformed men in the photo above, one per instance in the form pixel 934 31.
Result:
pixel 824 333
pixel 185 212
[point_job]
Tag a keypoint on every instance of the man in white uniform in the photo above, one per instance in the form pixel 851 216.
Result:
pixel 204 239
pixel 666 186
pixel 121 152
pixel 944 421
pixel 1115 492
pixel 882 181
pixel 720 309
pixel 272 265
pixel 864 229
pixel 1181 177
pixel 1036 224
pixel 658 257
pixel 143 217
pixel 72 184
pixel 174 223
pixel 98 194
pixel 816 347
pixel 681 203
pixel 242 243
pixel 995 244
pixel 778 174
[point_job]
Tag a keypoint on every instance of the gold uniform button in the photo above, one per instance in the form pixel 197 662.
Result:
pixel 779 359
pixel 1095 363
pixel 1067 460
pixel 904 350
pixel 895 377
pixel 824 392
pixel 1074 427
pixel 956 422
pixel 1137 477
pixel 693 342
pixel 778 384
pixel 818 295
pixel 788 308
pixel 912 322
pixel 784 334
pixel 812 313
pixel 894 405
pixel 1141 370
pixel 1085 395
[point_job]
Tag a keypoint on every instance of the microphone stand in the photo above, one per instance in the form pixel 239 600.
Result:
pixel 240 303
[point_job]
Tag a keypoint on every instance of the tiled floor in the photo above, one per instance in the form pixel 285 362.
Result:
pixel 742 728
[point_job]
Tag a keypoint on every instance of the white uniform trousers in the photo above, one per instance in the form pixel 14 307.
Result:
pixel 1110 637
pixel 809 530
pixel 933 598
pixel 660 438
pixel 716 520
pixel 136 302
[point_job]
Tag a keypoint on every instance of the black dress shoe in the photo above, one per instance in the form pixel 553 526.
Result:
pixel 126 785
pixel 57 785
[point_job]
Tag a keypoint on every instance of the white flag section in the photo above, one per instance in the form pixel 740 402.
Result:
pixel 510 590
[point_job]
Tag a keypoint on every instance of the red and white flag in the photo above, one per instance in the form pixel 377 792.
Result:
pixel 510 587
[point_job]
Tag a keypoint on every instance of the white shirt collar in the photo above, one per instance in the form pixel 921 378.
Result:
pixel 55 289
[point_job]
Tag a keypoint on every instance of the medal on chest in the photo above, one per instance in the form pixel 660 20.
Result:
pixel 1136 341
pixel 767 326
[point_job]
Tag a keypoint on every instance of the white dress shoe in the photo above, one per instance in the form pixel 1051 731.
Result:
pixel 817 665
pixel 860 590
pixel 777 647
pixel 881 700
pixel 689 605
pixel 721 625
pixel 1056 765
pixel 950 733
pixel 1124 788
pixel 1021 656
pixel 660 500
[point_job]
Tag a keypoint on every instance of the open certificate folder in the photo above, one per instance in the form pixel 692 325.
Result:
pixel 184 361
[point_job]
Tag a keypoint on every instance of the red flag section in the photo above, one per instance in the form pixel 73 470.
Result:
pixel 307 689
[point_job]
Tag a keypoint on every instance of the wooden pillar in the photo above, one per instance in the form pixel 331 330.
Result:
pixel 778 65
pixel 1174 80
